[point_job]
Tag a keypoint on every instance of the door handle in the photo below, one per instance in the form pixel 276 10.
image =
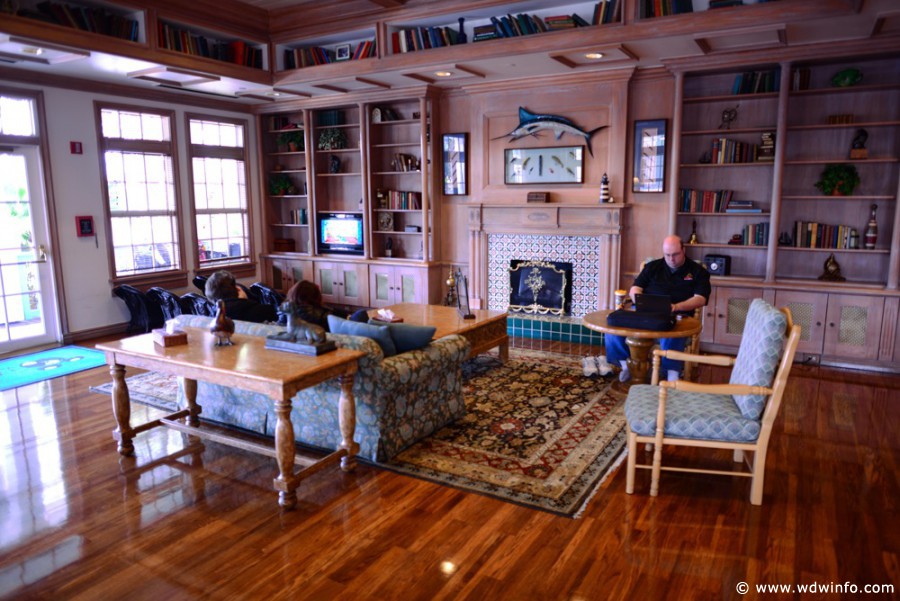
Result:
pixel 41 254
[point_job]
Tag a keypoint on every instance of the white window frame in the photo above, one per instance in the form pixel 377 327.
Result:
pixel 244 265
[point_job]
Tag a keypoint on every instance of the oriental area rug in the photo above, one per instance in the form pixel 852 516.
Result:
pixel 537 432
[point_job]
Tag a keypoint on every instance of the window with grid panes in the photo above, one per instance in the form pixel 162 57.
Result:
pixel 219 185
pixel 138 169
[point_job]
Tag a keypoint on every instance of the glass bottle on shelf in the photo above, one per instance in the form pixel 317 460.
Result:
pixel 872 230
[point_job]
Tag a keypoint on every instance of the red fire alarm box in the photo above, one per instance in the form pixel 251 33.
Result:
pixel 84 225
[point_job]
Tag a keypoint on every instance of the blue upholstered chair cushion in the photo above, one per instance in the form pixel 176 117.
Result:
pixel 408 337
pixel 379 334
pixel 689 415
pixel 759 354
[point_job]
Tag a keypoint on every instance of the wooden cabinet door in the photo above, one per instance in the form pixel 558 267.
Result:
pixel 853 326
pixel 409 285
pixel 808 311
pixel 708 316
pixel 353 284
pixel 381 285
pixel 732 305
pixel 327 276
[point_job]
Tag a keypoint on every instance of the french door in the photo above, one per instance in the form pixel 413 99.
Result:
pixel 28 309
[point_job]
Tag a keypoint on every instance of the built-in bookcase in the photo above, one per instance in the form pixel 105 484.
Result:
pixel 205 43
pixel 94 17
pixel 324 50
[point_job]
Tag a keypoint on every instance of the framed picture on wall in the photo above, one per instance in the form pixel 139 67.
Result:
pixel 649 156
pixel 455 152
pixel 556 165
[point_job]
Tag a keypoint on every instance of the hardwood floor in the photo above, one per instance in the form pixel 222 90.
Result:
pixel 188 519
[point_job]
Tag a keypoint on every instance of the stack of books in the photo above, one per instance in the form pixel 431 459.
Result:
pixel 741 206
pixel 767 147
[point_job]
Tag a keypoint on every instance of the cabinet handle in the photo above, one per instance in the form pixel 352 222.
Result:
pixel 818 324
pixel 721 316
pixel 831 324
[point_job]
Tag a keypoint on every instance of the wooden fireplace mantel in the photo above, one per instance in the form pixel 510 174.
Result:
pixel 603 221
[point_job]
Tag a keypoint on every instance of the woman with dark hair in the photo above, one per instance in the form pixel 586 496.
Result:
pixel 307 299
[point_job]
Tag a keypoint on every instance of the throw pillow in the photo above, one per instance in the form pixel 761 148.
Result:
pixel 379 334
pixel 408 337
pixel 361 316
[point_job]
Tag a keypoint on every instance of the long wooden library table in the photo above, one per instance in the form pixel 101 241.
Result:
pixel 247 365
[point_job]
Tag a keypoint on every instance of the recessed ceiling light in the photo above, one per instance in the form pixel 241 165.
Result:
pixel 443 73
pixel 32 50
pixel 594 55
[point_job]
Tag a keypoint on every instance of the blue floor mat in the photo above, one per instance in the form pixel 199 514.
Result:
pixel 35 367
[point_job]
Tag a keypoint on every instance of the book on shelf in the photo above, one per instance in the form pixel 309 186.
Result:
pixel 704 201
pixel 726 150
pixel 664 8
pixel 398 200
pixel 757 82
pixel 809 234
pixel 756 234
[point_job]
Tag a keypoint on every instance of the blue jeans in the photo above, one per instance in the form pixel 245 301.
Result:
pixel 617 350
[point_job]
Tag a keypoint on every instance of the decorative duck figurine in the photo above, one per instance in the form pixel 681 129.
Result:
pixel 223 326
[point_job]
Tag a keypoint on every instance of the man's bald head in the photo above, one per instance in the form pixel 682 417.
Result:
pixel 673 251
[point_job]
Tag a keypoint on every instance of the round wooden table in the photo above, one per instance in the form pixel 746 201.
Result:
pixel 640 341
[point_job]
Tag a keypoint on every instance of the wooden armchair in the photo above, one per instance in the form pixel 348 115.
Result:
pixel 737 416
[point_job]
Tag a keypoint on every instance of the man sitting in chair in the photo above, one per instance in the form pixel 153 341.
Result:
pixel 684 281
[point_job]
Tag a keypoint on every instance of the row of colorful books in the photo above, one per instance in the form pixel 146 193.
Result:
pixel 183 40
pixel 756 234
pixel 509 26
pixel 757 82
pixel 704 201
pixel 662 8
pixel 422 38
pixel 398 200
pixel 296 58
pixel 93 19
pixel 809 234
pixel 725 150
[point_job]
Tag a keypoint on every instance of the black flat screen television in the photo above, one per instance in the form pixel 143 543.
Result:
pixel 340 233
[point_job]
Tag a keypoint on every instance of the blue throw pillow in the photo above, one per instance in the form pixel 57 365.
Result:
pixel 408 337
pixel 361 315
pixel 379 334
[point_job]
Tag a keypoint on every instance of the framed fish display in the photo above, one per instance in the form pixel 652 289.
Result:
pixel 555 165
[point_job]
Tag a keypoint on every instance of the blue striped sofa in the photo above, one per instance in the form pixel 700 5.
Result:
pixel 399 399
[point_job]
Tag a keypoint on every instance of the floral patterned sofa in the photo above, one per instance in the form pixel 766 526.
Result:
pixel 399 399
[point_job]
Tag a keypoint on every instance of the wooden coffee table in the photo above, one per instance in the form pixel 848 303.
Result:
pixel 640 341
pixel 247 365
pixel 484 332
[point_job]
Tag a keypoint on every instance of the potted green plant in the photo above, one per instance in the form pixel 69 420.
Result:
pixel 292 140
pixel 838 180
pixel 332 138
pixel 280 184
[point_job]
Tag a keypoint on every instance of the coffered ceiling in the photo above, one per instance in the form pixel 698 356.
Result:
pixel 531 57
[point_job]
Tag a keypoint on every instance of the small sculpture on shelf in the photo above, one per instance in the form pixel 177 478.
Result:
pixel 728 117
pixel 604 189
pixel 785 239
pixel 858 148
pixel 223 326
pixel 335 165
pixel 737 240
pixel 451 299
pixel 694 239
pixel 846 78
pixel 389 247
pixel 832 271
pixel 872 229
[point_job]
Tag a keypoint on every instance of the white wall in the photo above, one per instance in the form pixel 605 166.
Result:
pixel 78 191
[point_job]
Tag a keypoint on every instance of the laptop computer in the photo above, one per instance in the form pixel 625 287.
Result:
pixel 652 303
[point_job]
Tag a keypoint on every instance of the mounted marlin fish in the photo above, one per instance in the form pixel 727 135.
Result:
pixel 531 123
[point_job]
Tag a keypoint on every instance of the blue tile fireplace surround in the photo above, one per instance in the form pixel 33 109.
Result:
pixel 562 328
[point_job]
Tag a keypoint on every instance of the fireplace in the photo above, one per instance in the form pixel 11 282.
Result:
pixel 540 287
pixel 586 236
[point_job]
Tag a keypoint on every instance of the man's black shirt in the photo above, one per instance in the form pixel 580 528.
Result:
pixel 686 281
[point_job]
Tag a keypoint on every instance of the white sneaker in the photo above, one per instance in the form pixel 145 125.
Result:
pixel 589 366
pixel 624 375
pixel 603 368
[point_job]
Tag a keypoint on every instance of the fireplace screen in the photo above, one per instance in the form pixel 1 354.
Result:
pixel 540 287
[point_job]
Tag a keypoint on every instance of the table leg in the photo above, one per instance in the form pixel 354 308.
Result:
pixel 121 405
pixel 347 422
pixel 504 351
pixel 190 394
pixel 639 359
pixel 285 483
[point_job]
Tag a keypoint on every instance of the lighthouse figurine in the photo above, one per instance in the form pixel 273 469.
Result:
pixel 604 189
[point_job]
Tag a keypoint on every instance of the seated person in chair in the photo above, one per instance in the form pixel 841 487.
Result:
pixel 307 299
pixel 221 285
pixel 683 280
